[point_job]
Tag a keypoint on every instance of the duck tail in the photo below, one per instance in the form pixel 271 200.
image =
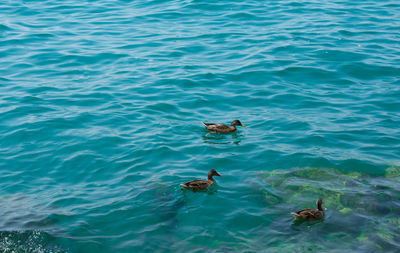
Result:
pixel 295 214
pixel 204 123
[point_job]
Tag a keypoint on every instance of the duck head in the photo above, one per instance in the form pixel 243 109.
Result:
pixel 212 173
pixel 319 204
pixel 237 122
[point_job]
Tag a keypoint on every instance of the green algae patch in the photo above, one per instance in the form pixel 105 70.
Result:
pixel 395 221
pixel 345 210
pixel 393 172
pixel 270 198
pixel 299 184
pixel 361 210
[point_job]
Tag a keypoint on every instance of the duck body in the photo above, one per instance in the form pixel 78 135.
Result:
pixel 199 184
pixel 221 128
pixel 309 213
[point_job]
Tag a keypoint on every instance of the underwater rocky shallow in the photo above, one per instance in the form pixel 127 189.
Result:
pixel 362 214
pixel 101 104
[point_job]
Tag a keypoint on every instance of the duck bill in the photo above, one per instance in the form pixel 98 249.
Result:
pixel 242 125
pixel 218 175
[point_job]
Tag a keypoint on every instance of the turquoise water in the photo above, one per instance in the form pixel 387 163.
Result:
pixel 101 110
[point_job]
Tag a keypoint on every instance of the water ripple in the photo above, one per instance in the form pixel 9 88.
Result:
pixel 101 106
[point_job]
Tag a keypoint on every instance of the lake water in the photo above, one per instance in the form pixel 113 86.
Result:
pixel 101 104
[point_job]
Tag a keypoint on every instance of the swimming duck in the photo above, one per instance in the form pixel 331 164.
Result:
pixel 221 128
pixel 199 184
pixel 310 214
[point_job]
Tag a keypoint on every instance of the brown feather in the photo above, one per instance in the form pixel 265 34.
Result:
pixel 199 184
pixel 219 128
pixel 309 213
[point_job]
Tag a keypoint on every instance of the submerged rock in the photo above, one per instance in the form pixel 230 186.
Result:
pixel 307 184
pixel 354 202
pixel 393 172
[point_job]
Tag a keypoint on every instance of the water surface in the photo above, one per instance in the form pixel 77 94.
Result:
pixel 100 111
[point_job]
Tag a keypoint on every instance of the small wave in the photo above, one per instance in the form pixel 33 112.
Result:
pixel 28 241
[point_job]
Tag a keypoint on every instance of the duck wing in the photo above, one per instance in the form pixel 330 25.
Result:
pixel 308 214
pixel 196 184
pixel 208 124
pixel 215 127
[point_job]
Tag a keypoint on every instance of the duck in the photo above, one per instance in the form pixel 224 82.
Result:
pixel 221 128
pixel 309 213
pixel 200 184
